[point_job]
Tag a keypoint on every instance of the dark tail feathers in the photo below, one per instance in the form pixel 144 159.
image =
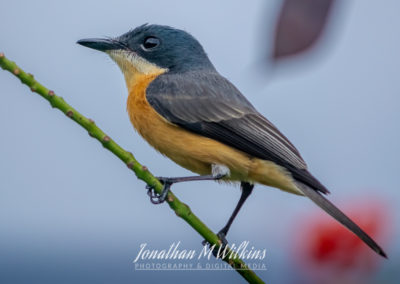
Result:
pixel 340 216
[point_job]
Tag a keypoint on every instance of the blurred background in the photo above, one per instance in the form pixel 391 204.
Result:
pixel 70 212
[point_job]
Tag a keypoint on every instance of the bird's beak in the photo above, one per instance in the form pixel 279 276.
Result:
pixel 101 44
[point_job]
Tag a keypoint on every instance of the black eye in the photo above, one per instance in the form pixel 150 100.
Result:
pixel 150 42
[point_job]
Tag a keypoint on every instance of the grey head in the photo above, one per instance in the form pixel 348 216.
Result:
pixel 163 46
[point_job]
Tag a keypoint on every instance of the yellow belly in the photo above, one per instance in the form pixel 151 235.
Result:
pixel 194 152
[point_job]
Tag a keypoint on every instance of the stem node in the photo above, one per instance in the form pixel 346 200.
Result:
pixel 70 113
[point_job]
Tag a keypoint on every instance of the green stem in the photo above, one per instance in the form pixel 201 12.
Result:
pixel 181 209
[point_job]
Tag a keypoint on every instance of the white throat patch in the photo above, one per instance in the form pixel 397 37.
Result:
pixel 130 62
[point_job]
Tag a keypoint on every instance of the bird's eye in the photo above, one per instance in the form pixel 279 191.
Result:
pixel 150 42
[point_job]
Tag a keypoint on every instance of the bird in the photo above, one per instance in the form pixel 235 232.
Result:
pixel 180 104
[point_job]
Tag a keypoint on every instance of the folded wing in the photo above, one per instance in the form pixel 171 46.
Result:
pixel 209 105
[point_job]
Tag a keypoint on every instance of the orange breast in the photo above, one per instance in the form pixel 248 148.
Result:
pixel 191 151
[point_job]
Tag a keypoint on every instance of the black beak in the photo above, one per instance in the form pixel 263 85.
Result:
pixel 101 44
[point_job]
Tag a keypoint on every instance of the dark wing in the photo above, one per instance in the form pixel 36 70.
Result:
pixel 208 104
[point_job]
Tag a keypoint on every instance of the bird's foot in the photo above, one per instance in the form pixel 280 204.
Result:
pixel 155 197
pixel 218 251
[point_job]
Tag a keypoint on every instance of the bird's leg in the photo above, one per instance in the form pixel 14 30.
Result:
pixel 218 172
pixel 247 189
pixel 156 198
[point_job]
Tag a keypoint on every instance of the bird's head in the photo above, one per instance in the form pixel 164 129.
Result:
pixel 150 49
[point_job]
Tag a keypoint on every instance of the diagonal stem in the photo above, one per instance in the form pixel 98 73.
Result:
pixel 181 209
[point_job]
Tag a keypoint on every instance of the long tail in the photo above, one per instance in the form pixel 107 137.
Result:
pixel 340 216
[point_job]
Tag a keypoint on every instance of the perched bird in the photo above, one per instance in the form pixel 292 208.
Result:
pixel 186 110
